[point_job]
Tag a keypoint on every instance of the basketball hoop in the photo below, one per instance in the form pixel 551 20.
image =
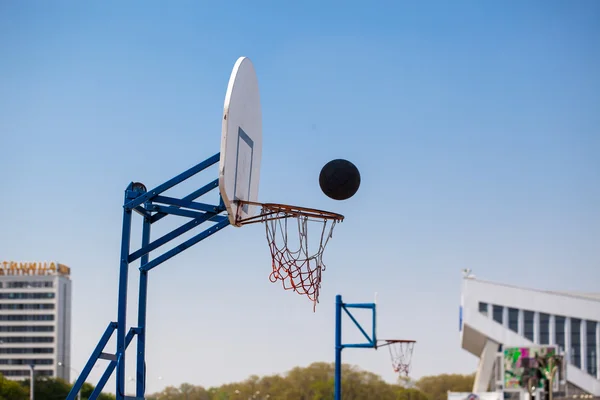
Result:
pixel 401 354
pixel 297 268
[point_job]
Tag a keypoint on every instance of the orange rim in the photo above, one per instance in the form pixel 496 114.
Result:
pixel 389 342
pixel 272 211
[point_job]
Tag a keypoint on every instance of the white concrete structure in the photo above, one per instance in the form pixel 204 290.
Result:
pixel 495 315
pixel 35 319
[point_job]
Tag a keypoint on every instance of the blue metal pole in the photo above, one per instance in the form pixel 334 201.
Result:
pixel 136 195
pixel 338 348
pixel 374 336
pixel 143 297
pixel 122 305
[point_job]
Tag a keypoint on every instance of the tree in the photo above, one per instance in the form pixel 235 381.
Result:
pixel 316 382
pixel 186 391
pixel 411 394
pixel 12 390
pixel 48 388
pixel 437 387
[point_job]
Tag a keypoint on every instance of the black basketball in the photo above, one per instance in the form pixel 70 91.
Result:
pixel 339 179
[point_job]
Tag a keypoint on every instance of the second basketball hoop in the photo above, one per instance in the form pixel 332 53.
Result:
pixel 400 354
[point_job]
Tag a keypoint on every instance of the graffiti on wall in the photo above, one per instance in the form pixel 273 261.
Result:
pixel 521 363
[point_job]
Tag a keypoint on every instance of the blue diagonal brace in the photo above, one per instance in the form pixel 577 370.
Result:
pixel 189 243
pixel 185 203
pixel 92 360
pixel 172 182
pixel 180 211
pixel 194 195
pixel 359 327
pixel 169 236
pixel 140 210
pixel 110 368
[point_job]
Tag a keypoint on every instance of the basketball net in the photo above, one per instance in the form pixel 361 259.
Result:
pixel 293 263
pixel 401 355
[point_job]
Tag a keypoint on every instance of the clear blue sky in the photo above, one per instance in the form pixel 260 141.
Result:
pixel 476 127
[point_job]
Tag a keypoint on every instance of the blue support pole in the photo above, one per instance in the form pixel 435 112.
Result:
pixel 338 348
pixel 142 302
pixel 139 200
pixel 122 302
pixel 374 333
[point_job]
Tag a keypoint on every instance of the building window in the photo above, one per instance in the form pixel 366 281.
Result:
pixel 498 312
pixel 513 319
pixel 25 372
pixel 544 328
pixel 10 296
pixel 590 351
pixel 27 339
pixel 27 361
pixel 559 328
pixel 483 308
pixel 18 328
pixel 528 317
pixel 21 285
pixel 16 306
pixel 26 350
pixel 29 317
pixel 576 342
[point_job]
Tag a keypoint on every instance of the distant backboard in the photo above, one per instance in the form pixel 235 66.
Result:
pixel 241 142
pixel 520 362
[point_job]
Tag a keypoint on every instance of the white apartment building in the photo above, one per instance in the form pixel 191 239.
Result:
pixel 35 319
pixel 495 315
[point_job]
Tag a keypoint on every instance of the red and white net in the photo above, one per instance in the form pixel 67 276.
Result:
pixel 297 266
pixel 401 354
pixel 296 261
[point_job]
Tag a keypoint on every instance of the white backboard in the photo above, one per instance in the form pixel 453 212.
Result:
pixel 241 141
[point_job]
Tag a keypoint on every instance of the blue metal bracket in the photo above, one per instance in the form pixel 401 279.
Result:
pixel 371 341
pixel 152 205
